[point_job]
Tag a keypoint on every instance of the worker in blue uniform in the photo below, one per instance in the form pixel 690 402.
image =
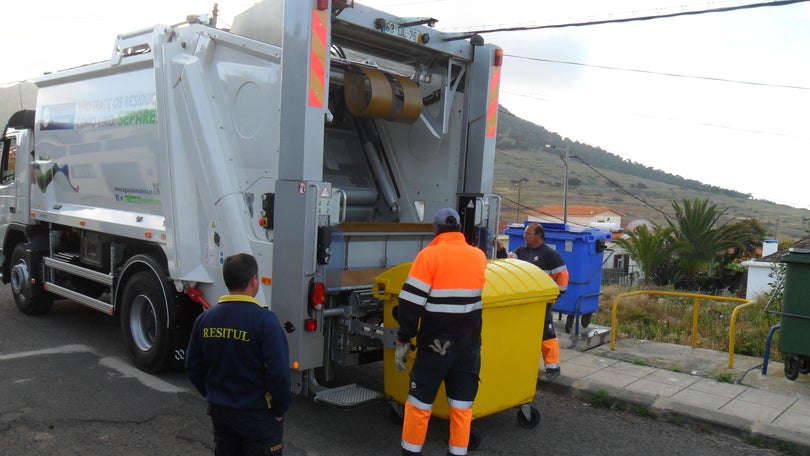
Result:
pixel 538 253
pixel 239 360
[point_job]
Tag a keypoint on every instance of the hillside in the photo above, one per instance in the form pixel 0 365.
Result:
pixel 597 177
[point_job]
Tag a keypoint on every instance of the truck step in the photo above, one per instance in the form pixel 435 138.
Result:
pixel 65 257
pixel 349 396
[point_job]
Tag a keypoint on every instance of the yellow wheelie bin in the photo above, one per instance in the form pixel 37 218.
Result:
pixel 514 306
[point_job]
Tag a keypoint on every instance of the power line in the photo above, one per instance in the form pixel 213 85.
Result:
pixel 611 181
pixel 670 119
pixel 528 209
pixel 616 184
pixel 659 73
pixel 629 19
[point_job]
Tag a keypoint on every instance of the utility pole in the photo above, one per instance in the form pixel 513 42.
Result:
pixel 214 15
pixel 564 158
pixel 519 183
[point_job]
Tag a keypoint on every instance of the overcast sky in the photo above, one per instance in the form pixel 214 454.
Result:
pixel 722 98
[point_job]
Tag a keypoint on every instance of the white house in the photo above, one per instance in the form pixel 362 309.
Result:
pixel 761 271
pixel 601 217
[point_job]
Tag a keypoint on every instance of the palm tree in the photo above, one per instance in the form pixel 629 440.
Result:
pixel 650 249
pixel 700 239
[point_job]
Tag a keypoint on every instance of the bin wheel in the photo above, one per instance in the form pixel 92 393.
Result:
pixel 569 323
pixel 804 366
pixel 528 423
pixel 395 416
pixel 475 439
pixel 585 320
pixel 791 368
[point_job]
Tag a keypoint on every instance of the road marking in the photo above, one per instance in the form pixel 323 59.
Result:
pixel 147 380
pixel 123 368
pixel 49 351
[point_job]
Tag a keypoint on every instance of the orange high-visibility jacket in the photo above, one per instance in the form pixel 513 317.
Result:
pixel 443 290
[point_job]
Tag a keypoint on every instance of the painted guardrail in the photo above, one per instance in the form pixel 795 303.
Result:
pixel 695 314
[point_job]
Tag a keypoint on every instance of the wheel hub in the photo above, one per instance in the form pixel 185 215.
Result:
pixel 143 323
pixel 19 277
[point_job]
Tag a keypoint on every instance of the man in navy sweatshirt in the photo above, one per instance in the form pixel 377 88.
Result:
pixel 239 360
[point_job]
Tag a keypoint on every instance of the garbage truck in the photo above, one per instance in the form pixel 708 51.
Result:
pixel 319 136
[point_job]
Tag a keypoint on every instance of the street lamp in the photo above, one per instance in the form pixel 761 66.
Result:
pixel 519 183
pixel 564 158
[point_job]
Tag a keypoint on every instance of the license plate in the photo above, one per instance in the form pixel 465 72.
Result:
pixel 392 28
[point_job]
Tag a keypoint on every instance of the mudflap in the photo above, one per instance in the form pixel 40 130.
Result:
pixel 187 312
pixel 179 344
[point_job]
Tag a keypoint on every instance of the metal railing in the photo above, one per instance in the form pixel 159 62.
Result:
pixel 695 309
pixel 619 277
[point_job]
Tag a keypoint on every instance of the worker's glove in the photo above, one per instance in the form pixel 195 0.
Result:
pixel 438 347
pixel 401 355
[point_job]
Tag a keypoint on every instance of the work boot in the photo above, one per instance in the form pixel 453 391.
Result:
pixel 552 373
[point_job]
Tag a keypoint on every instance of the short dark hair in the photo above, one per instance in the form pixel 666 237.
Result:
pixel 238 270
pixel 447 228
pixel 539 231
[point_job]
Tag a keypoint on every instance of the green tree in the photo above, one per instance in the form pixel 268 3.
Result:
pixel 651 250
pixel 701 240
pixel 731 272
pixel 753 241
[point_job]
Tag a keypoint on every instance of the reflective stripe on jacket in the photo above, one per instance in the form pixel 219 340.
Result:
pixel 443 289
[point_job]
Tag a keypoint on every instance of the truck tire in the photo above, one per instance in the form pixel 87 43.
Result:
pixel 30 298
pixel 143 314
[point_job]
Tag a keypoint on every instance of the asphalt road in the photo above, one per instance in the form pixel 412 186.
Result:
pixel 68 388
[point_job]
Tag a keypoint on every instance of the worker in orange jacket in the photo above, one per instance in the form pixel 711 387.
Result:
pixel 536 251
pixel 440 305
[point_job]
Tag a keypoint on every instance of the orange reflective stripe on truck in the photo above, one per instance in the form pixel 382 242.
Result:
pixel 492 107
pixel 317 59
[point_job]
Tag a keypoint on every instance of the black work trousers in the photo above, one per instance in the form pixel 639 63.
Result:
pixel 459 369
pixel 246 433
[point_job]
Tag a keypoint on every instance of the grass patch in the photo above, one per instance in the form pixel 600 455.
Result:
pixel 601 399
pixel 725 378
pixel 755 441
pixel 668 319
pixel 787 448
pixel 677 421
pixel 644 412
pixel 639 362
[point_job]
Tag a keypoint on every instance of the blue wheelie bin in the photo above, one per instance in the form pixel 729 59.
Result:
pixel 582 250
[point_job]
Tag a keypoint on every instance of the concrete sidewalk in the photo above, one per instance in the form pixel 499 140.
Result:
pixel 680 383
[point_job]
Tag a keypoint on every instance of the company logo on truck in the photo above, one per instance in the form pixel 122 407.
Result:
pixel 58 117
pixel 122 111
pixel 138 195
pixel 46 171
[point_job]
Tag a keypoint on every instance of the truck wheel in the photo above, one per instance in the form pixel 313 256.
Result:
pixel 144 305
pixel 30 298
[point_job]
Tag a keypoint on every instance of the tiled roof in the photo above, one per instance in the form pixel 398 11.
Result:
pixel 575 210
pixel 802 246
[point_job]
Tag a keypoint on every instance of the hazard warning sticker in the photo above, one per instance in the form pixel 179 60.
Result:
pixel 302 188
